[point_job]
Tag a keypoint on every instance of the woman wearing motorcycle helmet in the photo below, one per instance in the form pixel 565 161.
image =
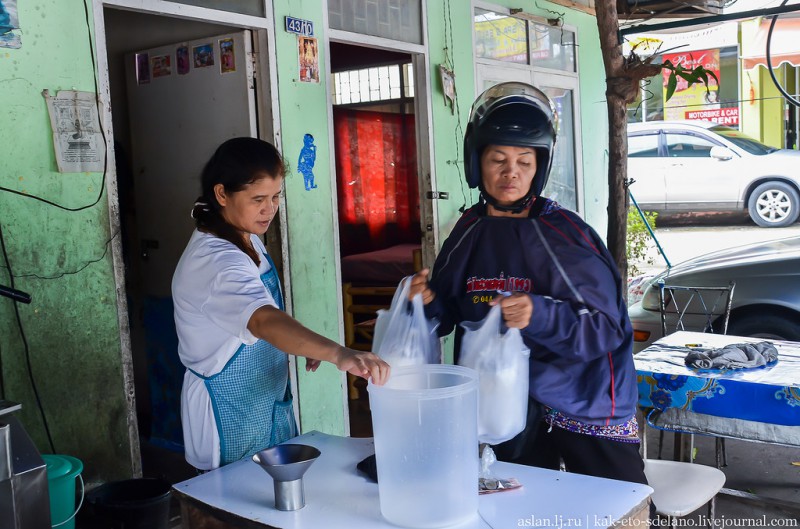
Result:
pixel 565 292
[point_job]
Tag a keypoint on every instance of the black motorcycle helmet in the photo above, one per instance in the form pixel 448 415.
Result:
pixel 515 114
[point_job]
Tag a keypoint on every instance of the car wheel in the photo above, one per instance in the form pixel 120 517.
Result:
pixel 765 325
pixel 774 204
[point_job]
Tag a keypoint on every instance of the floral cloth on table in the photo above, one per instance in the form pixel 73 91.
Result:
pixel 768 394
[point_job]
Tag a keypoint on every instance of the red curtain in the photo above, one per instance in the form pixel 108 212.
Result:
pixel 376 168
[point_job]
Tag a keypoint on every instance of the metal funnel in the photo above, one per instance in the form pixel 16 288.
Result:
pixel 287 464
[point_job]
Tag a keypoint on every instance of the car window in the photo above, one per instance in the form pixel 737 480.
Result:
pixel 688 145
pixel 645 146
pixel 742 141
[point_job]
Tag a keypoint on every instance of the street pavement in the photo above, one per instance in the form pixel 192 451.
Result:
pixel 681 241
pixel 768 470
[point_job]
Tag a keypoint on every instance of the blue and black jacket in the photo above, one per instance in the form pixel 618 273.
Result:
pixel 580 336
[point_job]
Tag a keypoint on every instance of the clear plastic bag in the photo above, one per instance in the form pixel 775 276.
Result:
pixel 501 360
pixel 404 336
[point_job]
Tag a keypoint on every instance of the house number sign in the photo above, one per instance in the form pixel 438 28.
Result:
pixel 300 26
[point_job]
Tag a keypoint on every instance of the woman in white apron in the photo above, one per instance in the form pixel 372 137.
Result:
pixel 233 334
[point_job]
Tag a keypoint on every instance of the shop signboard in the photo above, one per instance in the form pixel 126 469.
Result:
pixel 723 116
pixel 698 97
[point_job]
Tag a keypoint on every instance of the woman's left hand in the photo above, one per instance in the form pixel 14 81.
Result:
pixel 363 364
pixel 312 365
pixel 517 309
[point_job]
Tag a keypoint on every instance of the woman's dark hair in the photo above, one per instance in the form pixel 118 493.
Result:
pixel 235 164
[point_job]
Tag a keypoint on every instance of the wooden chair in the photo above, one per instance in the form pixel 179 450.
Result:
pixel 360 310
pixel 360 306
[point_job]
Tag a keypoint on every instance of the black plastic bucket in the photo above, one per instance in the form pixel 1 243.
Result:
pixel 132 503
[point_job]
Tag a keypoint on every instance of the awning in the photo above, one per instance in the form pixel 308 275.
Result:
pixel 785 47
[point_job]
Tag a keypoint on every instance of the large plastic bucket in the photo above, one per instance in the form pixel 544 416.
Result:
pixel 132 503
pixel 61 473
pixel 425 422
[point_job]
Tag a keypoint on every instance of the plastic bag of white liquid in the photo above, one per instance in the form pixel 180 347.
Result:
pixel 501 360
pixel 404 336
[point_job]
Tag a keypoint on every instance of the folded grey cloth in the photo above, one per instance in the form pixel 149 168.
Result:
pixel 734 356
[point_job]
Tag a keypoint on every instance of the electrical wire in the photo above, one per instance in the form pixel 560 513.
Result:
pixel 85 265
pixel 459 130
pixel 780 88
pixel 25 345
pixel 102 133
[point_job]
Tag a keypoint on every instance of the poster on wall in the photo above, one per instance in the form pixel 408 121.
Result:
pixel 142 68
pixel 309 59
pixel 9 22
pixel 227 53
pixel 203 56
pixel 161 66
pixel 698 96
pixel 182 58
pixel 77 141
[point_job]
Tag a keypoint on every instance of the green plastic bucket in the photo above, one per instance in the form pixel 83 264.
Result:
pixel 61 473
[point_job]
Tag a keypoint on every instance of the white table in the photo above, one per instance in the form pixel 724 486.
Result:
pixel 761 404
pixel 339 497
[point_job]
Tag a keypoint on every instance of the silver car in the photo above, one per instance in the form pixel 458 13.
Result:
pixel 766 298
pixel 699 166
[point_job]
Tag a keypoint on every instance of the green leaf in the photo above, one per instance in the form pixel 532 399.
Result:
pixel 672 84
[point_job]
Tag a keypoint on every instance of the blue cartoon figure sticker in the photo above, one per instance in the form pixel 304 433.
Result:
pixel 305 164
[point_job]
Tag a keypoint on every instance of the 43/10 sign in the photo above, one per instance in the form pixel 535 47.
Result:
pixel 300 26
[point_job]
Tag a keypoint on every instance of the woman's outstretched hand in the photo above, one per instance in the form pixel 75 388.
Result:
pixel 363 364
pixel 419 285
pixel 312 365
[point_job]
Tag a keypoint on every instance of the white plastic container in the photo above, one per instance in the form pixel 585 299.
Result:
pixel 425 422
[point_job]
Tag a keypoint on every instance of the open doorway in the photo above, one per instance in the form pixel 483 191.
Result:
pixel 378 191
pixel 178 89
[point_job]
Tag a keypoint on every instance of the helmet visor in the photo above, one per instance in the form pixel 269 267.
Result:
pixel 513 93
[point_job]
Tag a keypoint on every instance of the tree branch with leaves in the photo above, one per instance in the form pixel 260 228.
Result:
pixel 623 78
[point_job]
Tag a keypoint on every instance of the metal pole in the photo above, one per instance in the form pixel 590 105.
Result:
pixel 649 229
pixel 700 20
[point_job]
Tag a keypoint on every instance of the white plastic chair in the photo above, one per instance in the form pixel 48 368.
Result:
pixel 681 488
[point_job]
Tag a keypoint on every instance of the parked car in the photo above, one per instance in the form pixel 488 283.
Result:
pixel 766 297
pixel 700 166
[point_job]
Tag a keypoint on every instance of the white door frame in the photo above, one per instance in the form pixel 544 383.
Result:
pixel 268 128
pixel 509 71
pixel 553 79
pixel 429 215
pixel 429 212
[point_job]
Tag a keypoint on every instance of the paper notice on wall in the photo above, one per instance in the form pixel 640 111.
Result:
pixel 9 23
pixel 77 141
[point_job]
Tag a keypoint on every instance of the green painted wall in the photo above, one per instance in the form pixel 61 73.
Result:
pixel 593 118
pixel 71 328
pixel 772 107
pixel 762 119
pixel 62 258
pixel 450 32
pixel 310 214
pixel 303 109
